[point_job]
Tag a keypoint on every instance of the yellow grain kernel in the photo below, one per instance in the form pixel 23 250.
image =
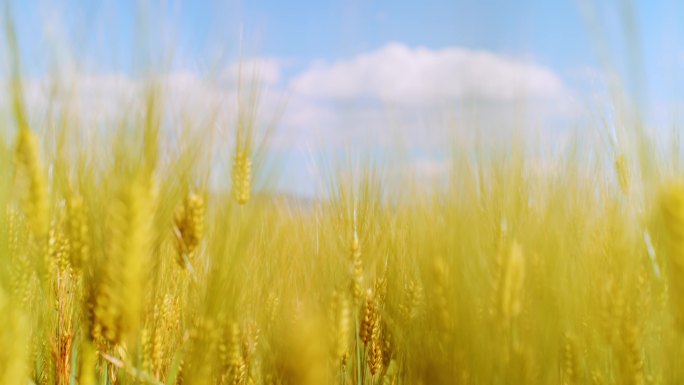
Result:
pixel 375 359
pixel 368 318
pixel 242 177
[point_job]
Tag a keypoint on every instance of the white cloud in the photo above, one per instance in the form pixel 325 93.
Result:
pixel 397 93
pixel 398 74
pixel 423 98
pixel 105 98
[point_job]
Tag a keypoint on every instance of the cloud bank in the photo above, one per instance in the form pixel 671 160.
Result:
pixel 410 92
pixel 418 95
pixel 402 75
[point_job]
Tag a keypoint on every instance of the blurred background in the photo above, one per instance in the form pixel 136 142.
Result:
pixel 402 82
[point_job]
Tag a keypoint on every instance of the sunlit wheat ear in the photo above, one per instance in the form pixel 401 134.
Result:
pixel 356 285
pixel 189 228
pixel 412 303
pixel 152 340
pixel 633 333
pixel 250 342
pixel 672 212
pixel 119 300
pixel 622 171
pixel 32 182
pixel 21 273
pixel 511 295
pixel 236 365
pixel 147 344
pixel 272 307
pixel 569 370
pixel 12 239
pixel 23 280
pixel 634 354
pixel 207 356
pixel 375 359
pixel 242 176
pixel 77 232
pixel 380 290
pixel 32 188
pixel 58 249
pixel 133 233
pixel 341 316
pixel 368 318
pixel 158 350
pixel 167 320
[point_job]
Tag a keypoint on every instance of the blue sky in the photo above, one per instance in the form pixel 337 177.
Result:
pixel 330 53
pixel 554 33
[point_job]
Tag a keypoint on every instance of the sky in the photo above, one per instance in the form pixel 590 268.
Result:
pixel 360 73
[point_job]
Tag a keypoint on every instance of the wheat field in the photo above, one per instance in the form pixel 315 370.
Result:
pixel 122 263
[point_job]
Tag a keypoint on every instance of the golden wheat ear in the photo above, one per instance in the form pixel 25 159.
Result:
pixel 242 176
pixel 672 213
pixel 31 178
pixel 341 331
pixel 78 232
pixel 622 172
pixel 356 284
pixel 369 316
pixel 375 359
pixel 188 228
